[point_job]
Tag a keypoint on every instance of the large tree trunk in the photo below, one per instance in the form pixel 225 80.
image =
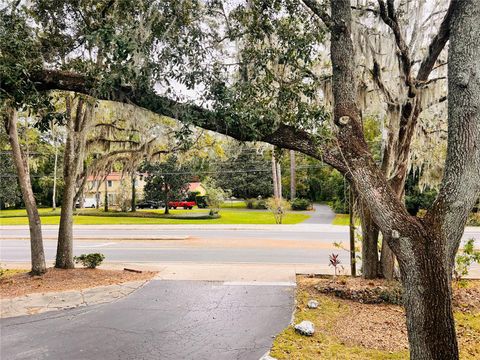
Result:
pixel 133 202
pixel 105 199
pixel 424 248
pixel 274 176
pixel 73 158
pixel 279 180
pixel 35 227
pixel 353 262
pixel 64 259
pixel 167 208
pixel 370 264
pixel 293 175
pixel 427 298
pixel 55 164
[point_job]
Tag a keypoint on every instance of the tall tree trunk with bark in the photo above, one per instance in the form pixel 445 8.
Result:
pixel 35 226
pixel 77 126
pixel 351 207
pixel 167 207
pixel 274 176
pixel 370 261
pixel 279 179
pixel 293 176
pixel 133 202
pixel 425 248
pixel 55 165
pixel 105 199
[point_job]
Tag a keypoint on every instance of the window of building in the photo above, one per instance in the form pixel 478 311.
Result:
pixel 109 183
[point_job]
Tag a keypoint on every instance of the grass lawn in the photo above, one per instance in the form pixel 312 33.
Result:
pixel 23 212
pixel 346 329
pixel 344 219
pixel 228 216
pixel 234 205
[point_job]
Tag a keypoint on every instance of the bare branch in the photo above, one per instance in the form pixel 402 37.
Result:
pixel 389 17
pixel 436 46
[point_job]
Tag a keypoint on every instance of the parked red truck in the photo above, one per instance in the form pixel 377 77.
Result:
pixel 183 204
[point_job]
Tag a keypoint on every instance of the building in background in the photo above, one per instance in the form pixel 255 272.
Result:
pixel 118 187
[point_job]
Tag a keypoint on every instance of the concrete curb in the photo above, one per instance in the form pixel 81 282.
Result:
pixel 38 303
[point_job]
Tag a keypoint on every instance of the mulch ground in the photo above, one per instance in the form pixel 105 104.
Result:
pixel 379 324
pixel 20 284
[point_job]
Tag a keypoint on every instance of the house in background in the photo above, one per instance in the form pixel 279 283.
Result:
pixel 197 187
pixel 115 186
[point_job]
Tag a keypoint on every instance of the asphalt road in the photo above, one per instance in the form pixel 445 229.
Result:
pixel 163 320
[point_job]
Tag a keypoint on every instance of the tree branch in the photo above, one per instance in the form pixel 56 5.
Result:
pixel 283 136
pixel 318 10
pixel 436 46
pixel 389 17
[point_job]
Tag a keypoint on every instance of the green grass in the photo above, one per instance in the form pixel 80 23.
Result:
pixel 23 212
pixel 228 216
pixel 9 272
pixel 234 205
pixel 344 219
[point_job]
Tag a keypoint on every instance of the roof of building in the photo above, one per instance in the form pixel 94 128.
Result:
pixel 195 186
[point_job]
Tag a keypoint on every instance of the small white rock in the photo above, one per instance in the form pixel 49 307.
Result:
pixel 312 304
pixel 305 328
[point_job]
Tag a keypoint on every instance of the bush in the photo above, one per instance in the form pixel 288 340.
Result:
pixel 339 207
pixel 278 207
pixel 201 201
pixel 301 204
pixel 473 219
pixel 90 261
pixel 256 204
pixel 464 260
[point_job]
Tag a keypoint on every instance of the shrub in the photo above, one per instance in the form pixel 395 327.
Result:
pixel 215 196
pixel 201 201
pixel 464 260
pixel 278 207
pixel 301 204
pixel 256 204
pixel 473 219
pixel 90 261
pixel 339 207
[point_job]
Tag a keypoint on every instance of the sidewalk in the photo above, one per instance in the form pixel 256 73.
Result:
pixel 236 272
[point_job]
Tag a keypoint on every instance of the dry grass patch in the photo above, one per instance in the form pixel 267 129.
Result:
pixel 22 283
pixel 347 329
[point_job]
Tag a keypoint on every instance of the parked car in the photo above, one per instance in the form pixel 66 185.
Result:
pixel 184 204
pixel 87 203
pixel 148 204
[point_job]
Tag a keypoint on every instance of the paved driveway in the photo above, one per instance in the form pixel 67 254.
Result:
pixel 322 215
pixel 163 320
